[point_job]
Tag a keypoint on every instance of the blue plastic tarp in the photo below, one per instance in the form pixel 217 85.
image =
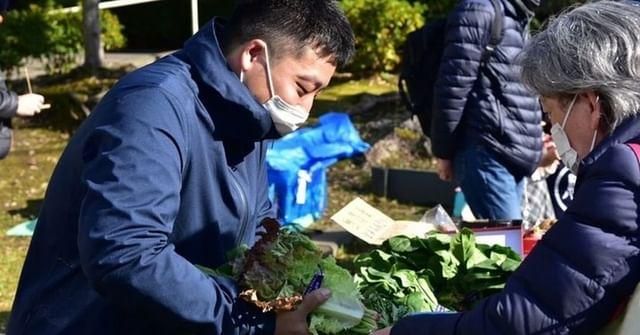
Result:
pixel 297 165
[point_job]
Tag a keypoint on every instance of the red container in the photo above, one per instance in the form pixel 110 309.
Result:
pixel 528 242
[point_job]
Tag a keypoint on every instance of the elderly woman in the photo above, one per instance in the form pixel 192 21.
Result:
pixel 585 66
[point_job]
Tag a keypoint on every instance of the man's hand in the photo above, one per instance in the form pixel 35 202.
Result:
pixel 385 331
pixel 295 322
pixel 445 169
pixel 30 104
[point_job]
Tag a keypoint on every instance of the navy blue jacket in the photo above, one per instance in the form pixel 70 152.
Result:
pixel 486 105
pixel 167 172
pixel 584 267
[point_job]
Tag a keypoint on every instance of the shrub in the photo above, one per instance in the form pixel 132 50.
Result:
pixel 112 37
pixel 380 27
pixel 56 37
pixel 22 35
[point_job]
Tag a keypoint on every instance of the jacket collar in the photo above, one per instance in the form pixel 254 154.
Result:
pixel 627 131
pixel 234 110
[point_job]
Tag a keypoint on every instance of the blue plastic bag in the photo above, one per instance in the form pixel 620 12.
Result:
pixel 297 166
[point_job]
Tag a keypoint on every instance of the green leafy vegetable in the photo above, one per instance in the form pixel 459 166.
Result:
pixel 406 275
pixel 276 271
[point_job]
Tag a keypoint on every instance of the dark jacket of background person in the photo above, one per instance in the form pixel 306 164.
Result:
pixel 168 171
pixel 597 281
pixel 486 105
pixel 8 109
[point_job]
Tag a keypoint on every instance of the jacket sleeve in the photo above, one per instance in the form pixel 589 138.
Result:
pixel 133 173
pixel 574 280
pixel 468 31
pixel 8 104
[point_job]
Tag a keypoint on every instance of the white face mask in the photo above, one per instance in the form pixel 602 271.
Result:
pixel 286 117
pixel 568 155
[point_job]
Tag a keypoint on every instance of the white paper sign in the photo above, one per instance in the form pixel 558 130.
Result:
pixel 374 227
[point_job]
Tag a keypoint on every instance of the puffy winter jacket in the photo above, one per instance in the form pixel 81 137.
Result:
pixel 486 105
pixel 583 269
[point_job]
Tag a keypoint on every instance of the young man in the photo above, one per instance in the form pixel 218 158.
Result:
pixel 168 172
pixel 486 129
pixel 12 105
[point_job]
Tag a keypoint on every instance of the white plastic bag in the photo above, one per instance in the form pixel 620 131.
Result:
pixel 439 218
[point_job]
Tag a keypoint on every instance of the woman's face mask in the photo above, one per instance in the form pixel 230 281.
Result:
pixel 286 117
pixel 568 155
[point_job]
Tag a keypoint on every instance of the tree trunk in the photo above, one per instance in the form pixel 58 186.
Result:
pixel 93 52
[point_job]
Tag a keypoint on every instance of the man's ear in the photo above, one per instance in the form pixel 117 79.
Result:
pixel 252 54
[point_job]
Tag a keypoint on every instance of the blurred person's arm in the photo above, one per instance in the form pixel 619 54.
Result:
pixel 445 169
pixel 8 103
pixel 12 104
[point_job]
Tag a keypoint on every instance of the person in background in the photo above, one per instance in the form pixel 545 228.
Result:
pixel 536 203
pixel 584 67
pixel 12 104
pixel 486 129
pixel 168 172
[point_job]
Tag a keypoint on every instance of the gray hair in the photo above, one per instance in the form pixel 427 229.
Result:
pixel 593 47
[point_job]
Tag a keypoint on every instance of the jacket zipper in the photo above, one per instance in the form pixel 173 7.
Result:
pixel 244 207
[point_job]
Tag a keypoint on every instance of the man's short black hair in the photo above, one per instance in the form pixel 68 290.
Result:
pixel 289 25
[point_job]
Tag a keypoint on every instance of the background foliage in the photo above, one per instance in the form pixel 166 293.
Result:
pixel 380 27
pixel 39 32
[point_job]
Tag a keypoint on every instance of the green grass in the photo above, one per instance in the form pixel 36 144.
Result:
pixel 39 143
pixel 24 179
